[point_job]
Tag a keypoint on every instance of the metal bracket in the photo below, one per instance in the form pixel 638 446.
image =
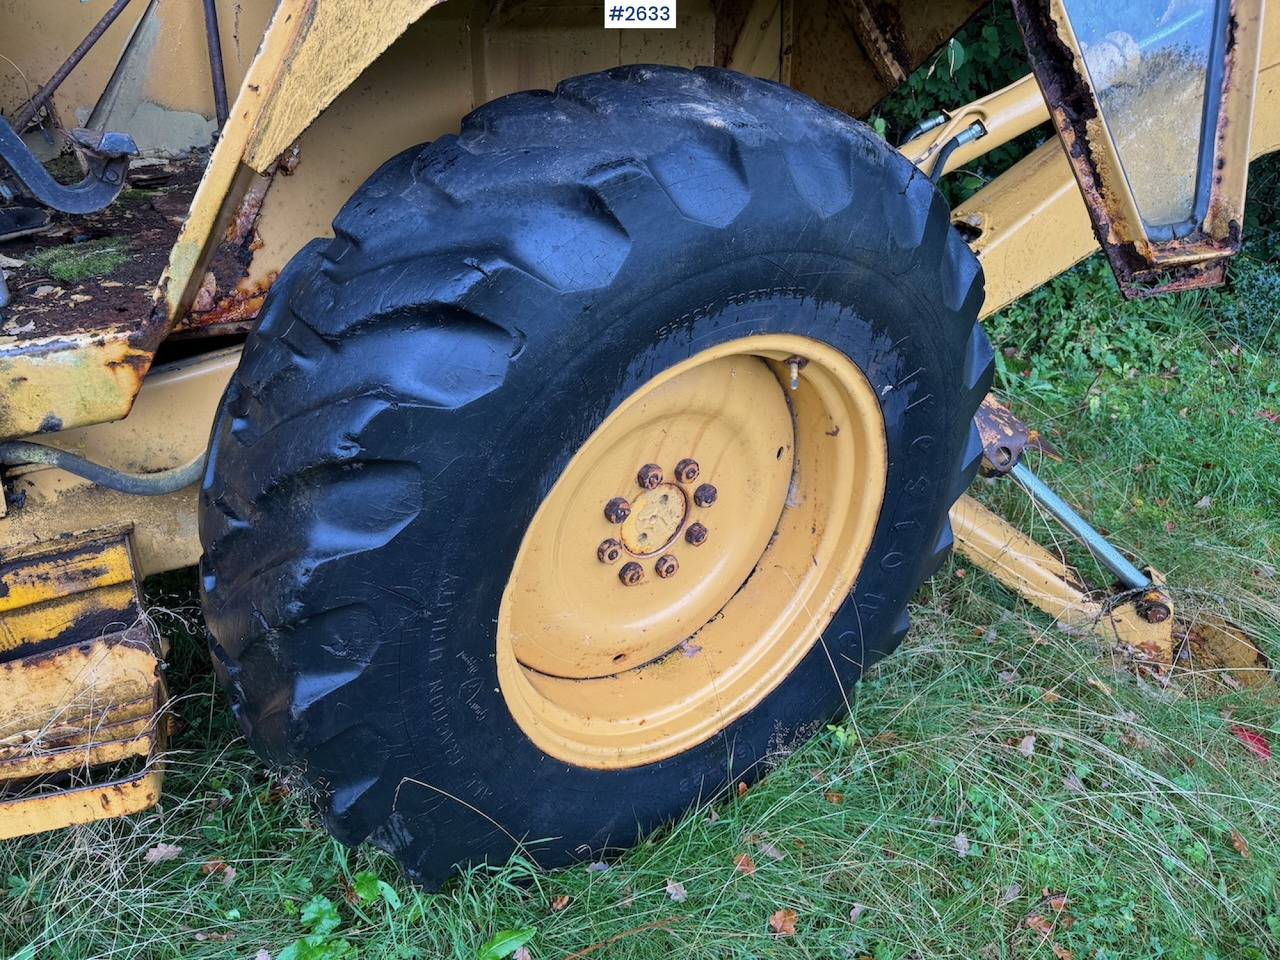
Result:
pixel 108 158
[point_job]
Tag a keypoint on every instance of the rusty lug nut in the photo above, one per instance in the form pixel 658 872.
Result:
pixel 617 510
pixel 666 566
pixel 1153 612
pixel 705 495
pixel 610 551
pixel 1153 606
pixel 649 477
pixel 631 574
pixel 696 534
pixel 687 470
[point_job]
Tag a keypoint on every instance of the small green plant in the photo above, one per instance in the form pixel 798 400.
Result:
pixel 70 262
pixel 504 943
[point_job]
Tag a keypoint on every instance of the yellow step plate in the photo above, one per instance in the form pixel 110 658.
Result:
pixel 81 727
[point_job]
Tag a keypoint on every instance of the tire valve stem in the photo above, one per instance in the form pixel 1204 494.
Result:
pixel 796 363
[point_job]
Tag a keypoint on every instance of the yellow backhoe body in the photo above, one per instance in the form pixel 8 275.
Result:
pixel 321 92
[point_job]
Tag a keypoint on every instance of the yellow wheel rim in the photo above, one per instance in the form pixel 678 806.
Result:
pixel 692 552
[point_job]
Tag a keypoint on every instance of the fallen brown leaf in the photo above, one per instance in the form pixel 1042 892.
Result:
pixel 676 891
pixel 1054 901
pixel 832 797
pixel 161 852
pixel 783 922
pixel 858 910
pixel 1062 953
pixel 348 891
pixel 1039 924
pixel 769 850
pixel 522 953
pixel 560 901
pixel 742 862
pixel 1009 894
pixel 742 789
pixel 1050 696
pixel 219 937
pixel 1242 848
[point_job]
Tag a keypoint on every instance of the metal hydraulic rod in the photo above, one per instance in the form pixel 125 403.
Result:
pixel 1109 556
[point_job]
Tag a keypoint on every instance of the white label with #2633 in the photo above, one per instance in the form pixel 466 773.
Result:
pixel 632 14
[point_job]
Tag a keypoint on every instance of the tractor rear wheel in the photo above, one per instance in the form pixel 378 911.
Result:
pixel 590 464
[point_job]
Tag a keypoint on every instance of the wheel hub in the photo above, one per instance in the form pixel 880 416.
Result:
pixel 657 517
pixel 691 552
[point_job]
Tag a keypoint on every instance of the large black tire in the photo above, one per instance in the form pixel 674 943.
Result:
pixel 416 386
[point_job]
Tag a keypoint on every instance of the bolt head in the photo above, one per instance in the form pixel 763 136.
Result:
pixel 649 477
pixel 705 495
pixel 696 534
pixel 631 573
pixel 687 470
pixel 666 566
pixel 610 551
pixel 617 510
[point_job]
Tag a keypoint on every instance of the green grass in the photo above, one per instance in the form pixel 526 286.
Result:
pixel 1138 803
pixel 70 262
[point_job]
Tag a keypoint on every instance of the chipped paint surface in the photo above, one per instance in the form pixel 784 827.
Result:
pixel 80 686
pixel 1143 264
pixel 66 382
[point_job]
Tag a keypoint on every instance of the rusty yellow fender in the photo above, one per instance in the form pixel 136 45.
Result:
pixel 312 50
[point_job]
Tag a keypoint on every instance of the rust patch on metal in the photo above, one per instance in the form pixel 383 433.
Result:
pixel 1154 605
pixel 1005 438
pixel 884 47
pixel 1143 266
pixel 227 301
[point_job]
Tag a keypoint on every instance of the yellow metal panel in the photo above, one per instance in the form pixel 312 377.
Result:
pixel 85 584
pixel 169 426
pixel 1020 563
pixel 148 75
pixel 331 44
pixel 67 383
pixel 95 802
pixel 353 137
pixel 36 580
pixel 115 724
pixel 88 712
pixel 73 682
pixel 80 756
pixel 311 52
pixel 1029 224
